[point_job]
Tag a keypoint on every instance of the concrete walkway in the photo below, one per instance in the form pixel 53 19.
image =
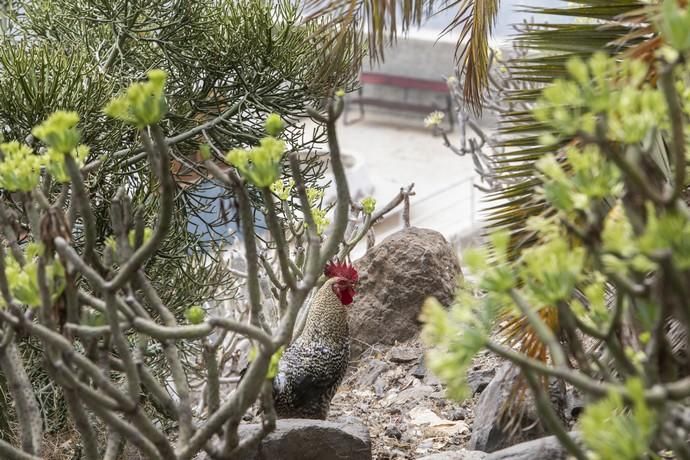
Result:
pixel 392 152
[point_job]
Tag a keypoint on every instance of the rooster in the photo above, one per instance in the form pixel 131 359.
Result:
pixel 312 367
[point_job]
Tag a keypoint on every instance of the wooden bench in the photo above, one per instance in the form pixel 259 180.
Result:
pixel 405 83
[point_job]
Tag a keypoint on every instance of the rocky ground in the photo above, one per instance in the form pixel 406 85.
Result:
pixel 404 405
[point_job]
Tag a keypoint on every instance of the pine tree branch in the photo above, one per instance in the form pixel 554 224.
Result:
pixel 139 153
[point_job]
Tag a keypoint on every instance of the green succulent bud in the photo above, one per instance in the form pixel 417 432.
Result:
pixel 368 205
pixel 314 196
pixel 143 103
pixel 205 152
pixel 23 280
pixel 132 236
pixel 282 190
pixel 238 158
pixel 578 70
pixel 111 243
pixel 274 125
pixel 260 165
pixel 320 220
pixel 674 25
pixel 273 365
pixel 59 131
pixel 615 429
pixel 195 314
pixel 20 168
pixel 56 162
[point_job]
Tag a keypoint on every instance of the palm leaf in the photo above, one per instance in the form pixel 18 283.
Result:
pixel 477 18
pixel 549 45
pixel 384 19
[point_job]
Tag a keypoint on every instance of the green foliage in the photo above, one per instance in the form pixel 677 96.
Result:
pixel 195 314
pixel 457 336
pixel 608 252
pixel 274 125
pixel 615 431
pixel 368 205
pixel 667 233
pixel 320 220
pixel 573 30
pixel 259 165
pixel 606 86
pixel 148 231
pixel 674 25
pixel 56 162
pixel 590 178
pixel 273 365
pixel 231 63
pixel 20 169
pixel 143 104
pixel 283 190
pixel 64 55
pixel 23 280
pixel 59 132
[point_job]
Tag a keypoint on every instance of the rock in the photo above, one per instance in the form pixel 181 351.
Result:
pixel 415 393
pixel 301 439
pixel 375 368
pixel 379 388
pixel 423 415
pixel 420 370
pixel 478 380
pixel 396 277
pixel 392 431
pixel 575 404
pixel 490 430
pixel 431 379
pixel 393 410
pixel 401 354
pixel 433 425
pixel 424 446
pixel 457 455
pixel 397 453
pixel 547 448
pixel 458 414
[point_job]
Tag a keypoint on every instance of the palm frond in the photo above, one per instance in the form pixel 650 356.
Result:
pixel 550 46
pixel 477 19
pixel 383 20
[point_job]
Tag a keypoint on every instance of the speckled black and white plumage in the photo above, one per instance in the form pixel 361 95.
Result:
pixel 313 366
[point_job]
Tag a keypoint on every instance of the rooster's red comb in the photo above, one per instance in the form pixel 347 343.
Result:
pixel 341 270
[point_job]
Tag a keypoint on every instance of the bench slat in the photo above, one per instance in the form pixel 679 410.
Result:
pixel 403 82
pixel 397 105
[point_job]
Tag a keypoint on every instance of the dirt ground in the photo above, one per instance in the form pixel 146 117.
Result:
pixel 403 404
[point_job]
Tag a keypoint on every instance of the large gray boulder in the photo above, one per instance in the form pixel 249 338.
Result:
pixel 396 277
pixel 547 448
pixel 491 430
pixel 302 439
pixel 457 455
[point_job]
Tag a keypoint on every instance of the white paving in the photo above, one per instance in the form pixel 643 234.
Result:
pixel 391 152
